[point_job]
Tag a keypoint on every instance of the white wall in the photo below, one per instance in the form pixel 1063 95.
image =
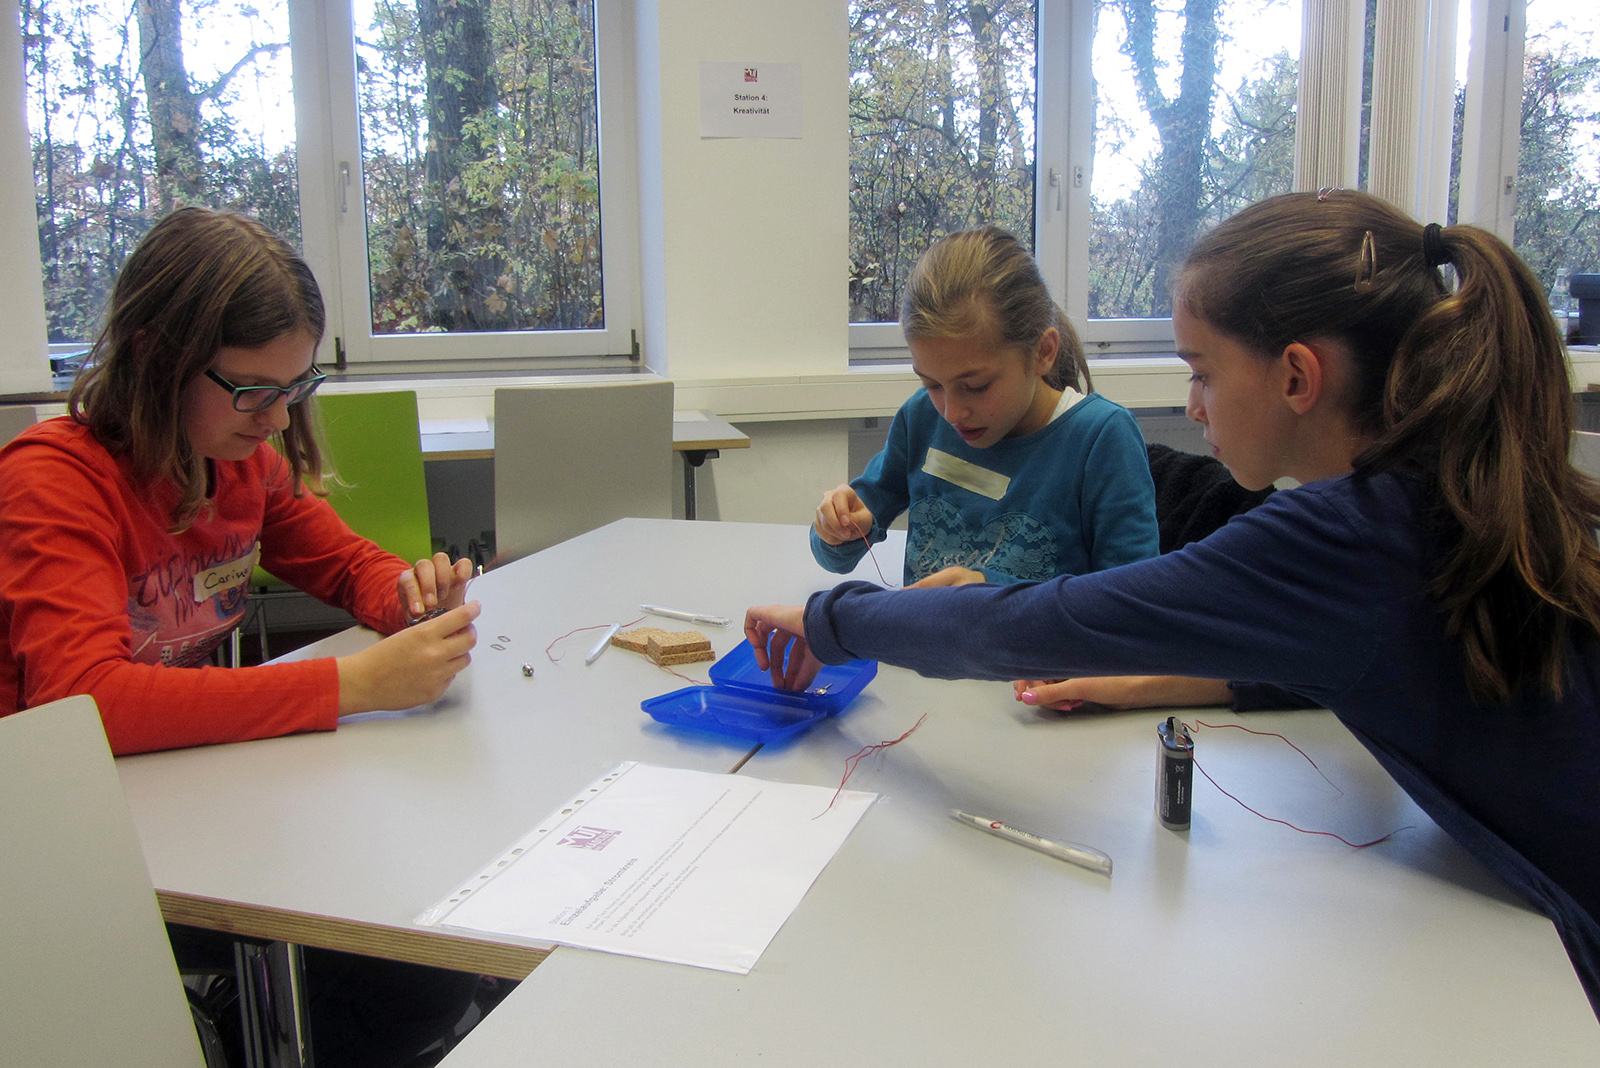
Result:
pixel 744 240
pixel 780 477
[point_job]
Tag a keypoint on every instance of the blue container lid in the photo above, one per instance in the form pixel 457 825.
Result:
pixel 742 703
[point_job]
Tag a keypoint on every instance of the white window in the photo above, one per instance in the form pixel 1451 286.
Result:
pixel 1557 220
pixel 1140 123
pixel 1528 134
pixel 942 135
pixel 463 181
pixel 133 109
pixel 438 162
pixel 1109 132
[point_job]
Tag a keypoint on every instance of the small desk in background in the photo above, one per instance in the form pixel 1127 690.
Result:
pixel 698 435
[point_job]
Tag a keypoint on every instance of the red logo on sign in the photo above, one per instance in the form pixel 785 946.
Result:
pixel 749 74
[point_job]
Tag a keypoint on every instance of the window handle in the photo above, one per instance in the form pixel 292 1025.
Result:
pixel 1055 183
pixel 344 188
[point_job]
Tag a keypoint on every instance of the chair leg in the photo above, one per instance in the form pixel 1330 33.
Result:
pixel 261 628
pixel 272 999
pixel 233 647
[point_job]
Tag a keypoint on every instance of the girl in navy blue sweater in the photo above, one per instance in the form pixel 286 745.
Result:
pixel 1435 580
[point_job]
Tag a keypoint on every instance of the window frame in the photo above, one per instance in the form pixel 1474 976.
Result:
pixel 322 54
pixel 1064 138
pixel 333 206
pixel 1492 121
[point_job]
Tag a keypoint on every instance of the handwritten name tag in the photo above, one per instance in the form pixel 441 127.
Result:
pixel 967 475
pixel 226 576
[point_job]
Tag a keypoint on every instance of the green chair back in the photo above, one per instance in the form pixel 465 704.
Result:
pixel 376 448
pixel 375 445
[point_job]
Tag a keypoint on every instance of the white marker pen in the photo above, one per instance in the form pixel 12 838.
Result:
pixel 601 645
pixel 687 617
pixel 1083 856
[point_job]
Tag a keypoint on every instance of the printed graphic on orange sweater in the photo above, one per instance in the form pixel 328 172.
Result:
pixel 181 608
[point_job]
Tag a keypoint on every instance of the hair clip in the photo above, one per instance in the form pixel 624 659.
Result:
pixel 1324 192
pixel 1367 265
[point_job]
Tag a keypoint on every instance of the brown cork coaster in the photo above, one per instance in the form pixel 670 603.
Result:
pixel 666 647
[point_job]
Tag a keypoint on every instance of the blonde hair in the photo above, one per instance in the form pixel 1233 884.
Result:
pixel 1469 388
pixel 984 283
pixel 200 281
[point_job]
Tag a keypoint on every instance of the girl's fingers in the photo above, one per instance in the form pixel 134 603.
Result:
pixel 427 584
pixel 755 632
pixel 411 595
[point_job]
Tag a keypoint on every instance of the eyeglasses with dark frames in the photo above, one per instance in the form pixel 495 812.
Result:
pixel 260 398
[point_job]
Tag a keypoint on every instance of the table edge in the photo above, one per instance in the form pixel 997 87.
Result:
pixel 436 949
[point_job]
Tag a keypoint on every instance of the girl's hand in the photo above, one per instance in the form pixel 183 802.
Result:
pixel 842 517
pixel 950 576
pixel 413 667
pixel 434 583
pixel 1123 691
pixel 777 632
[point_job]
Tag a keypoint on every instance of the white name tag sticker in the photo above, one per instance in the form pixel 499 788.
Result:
pixel 226 576
pixel 967 475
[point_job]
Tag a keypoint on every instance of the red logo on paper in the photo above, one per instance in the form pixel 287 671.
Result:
pixel 588 838
pixel 749 74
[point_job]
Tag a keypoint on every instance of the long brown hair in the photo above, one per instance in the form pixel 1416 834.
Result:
pixel 1469 387
pixel 983 282
pixel 200 281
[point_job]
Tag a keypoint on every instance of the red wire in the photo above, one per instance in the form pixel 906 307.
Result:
pixel 680 675
pixel 570 633
pixel 1271 734
pixel 859 755
pixel 1302 830
pixel 874 556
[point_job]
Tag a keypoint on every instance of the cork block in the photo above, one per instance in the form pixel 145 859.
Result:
pixel 679 647
pixel 637 640
pixel 666 647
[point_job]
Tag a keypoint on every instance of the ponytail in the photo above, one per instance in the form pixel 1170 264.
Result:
pixel 1480 386
pixel 1469 388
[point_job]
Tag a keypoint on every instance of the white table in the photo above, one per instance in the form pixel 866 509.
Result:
pixel 924 942
pixel 340 839
pixel 1238 943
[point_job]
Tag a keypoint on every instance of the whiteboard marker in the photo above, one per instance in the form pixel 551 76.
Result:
pixel 1082 856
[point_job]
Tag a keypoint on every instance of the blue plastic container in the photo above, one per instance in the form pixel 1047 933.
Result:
pixel 742 703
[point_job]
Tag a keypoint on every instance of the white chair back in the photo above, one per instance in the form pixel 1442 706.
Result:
pixel 14 419
pixel 570 458
pixel 87 975
pixel 1586 452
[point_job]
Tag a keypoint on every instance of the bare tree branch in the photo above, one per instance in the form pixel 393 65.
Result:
pixel 222 83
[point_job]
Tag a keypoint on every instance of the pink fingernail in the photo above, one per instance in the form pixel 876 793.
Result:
pixel 1028 697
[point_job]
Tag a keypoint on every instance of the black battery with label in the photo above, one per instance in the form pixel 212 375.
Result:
pixel 1174 774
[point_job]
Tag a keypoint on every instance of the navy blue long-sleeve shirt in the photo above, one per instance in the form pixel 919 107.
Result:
pixel 1322 590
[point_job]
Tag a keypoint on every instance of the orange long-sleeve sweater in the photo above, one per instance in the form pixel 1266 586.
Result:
pixel 97 596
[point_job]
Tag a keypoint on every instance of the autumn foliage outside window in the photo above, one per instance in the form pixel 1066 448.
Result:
pixel 479 127
pixel 480 143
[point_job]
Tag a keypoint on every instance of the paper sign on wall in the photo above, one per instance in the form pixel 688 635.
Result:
pixel 750 100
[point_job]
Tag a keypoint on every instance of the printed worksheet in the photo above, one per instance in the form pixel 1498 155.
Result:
pixel 688 867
